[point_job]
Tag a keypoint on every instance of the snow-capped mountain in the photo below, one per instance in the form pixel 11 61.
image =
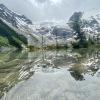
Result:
pixel 19 23
pixel 52 30
pixel 15 19
pixel 49 31
pixel 92 26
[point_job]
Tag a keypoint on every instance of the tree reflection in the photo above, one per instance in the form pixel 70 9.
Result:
pixel 88 63
pixel 77 75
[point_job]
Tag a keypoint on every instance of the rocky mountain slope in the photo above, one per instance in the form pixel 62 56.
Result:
pixel 20 24
pixel 9 37
pixel 14 28
pixel 15 19
pixel 92 27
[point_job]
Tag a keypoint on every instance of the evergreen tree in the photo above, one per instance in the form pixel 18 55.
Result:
pixel 76 24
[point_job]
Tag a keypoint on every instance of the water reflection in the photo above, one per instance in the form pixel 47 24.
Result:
pixel 63 69
pixel 9 69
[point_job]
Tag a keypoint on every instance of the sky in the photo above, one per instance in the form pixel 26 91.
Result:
pixel 41 10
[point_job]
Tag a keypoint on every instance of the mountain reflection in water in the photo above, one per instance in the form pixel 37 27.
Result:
pixel 50 75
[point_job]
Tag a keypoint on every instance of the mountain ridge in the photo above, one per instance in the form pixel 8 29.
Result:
pixel 12 17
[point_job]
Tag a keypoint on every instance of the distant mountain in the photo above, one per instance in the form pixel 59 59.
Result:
pixel 52 30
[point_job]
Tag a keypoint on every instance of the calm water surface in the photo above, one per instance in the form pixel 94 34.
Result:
pixel 50 75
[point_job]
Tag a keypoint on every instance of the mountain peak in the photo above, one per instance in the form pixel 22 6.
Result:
pixel 2 5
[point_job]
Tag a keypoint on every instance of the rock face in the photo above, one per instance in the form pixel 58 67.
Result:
pixel 92 27
pixel 12 17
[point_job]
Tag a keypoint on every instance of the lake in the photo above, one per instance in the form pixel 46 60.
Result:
pixel 50 75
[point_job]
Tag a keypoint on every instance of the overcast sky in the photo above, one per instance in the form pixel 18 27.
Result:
pixel 39 10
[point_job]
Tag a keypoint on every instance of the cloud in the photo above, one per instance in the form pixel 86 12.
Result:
pixel 38 10
pixel 44 1
pixel 41 1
